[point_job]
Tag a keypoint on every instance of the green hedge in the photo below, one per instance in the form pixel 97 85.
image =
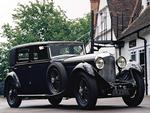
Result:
pixel 1 88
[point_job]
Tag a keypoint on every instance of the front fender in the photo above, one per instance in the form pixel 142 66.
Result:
pixel 11 78
pixel 86 67
pixel 134 65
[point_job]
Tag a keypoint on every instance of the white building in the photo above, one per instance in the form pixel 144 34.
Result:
pixel 113 17
pixel 118 18
pixel 134 46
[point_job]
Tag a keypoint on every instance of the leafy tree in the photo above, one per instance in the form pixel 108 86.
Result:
pixel 81 29
pixel 37 22
pixel 41 21
pixel 3 60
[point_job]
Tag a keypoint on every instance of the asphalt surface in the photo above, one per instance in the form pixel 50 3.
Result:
pixel 112 105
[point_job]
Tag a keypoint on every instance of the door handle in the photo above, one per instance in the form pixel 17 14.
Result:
pixel 29 67
pixel 15 68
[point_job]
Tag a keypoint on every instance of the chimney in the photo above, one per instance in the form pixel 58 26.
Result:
pixel 94 7
pixel 145 3
pixel 148 2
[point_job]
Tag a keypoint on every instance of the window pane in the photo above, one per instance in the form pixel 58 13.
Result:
pixel 132 43
pixel 23 55
pixel 40 53
pixel 65 49
pixel 133 56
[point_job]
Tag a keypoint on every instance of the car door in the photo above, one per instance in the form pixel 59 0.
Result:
pixel 38 69
pixel 21 68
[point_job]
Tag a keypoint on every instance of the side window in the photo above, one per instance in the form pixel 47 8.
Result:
pixel 77 49
pixel 132 43
pixel 64 50
pixel 23 55
pixel 40 53
pixel 133 56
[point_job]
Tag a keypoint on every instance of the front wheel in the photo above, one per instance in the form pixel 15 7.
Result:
pixel 137 96
pixel 12 97
pixel 86 91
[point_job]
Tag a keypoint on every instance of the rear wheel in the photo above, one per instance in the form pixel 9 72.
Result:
pixel 55 101
pixel 12 97
pixel 137 95
pixel 86 91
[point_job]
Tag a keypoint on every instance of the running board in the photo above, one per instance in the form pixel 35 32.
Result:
pixel 39 95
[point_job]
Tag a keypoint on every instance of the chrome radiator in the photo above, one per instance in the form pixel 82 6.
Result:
pixel 108 72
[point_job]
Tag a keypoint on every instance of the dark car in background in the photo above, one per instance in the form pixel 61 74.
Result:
pixel 58 69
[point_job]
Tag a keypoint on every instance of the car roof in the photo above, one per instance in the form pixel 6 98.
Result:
pixel 46 43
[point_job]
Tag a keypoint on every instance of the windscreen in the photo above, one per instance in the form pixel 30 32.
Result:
pixel 66 49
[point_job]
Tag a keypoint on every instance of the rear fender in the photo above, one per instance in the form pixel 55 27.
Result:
pixel 13 79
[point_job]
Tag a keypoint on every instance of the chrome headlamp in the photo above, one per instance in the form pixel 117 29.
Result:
pixel 99 62
pixel 121 62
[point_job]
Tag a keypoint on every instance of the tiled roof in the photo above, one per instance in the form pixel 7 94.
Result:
pixel 126 10
pixel 142 21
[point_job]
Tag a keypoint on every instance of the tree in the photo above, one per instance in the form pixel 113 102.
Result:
pixel 80 29
pixel 3 60
pixel 37 22
pixel 41 21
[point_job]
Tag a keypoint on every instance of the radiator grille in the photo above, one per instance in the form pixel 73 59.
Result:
pixel 108 72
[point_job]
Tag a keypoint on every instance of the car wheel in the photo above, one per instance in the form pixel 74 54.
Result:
pixel 54 80
pixel 138 94
pixel 12 97
pixel 55 101
pixel 86 91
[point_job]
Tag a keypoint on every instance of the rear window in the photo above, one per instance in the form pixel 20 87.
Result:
pixel 23 55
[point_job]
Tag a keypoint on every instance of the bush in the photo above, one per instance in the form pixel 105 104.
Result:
pixel 1 88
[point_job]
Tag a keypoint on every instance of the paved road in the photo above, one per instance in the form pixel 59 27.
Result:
pixel 113 105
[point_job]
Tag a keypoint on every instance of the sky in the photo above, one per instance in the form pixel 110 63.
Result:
pixel 74 9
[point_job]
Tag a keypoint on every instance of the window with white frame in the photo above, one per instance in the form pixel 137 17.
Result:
pixel 141 58
pixel 102 24
pixel 149 63
pixel 132 43
pixel 133 56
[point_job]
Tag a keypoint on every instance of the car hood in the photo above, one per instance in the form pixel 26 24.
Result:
pixel 88 57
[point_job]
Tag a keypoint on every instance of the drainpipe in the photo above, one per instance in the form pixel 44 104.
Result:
pixel 92 32
pixel 145 60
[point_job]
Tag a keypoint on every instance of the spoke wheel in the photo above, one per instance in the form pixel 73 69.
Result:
pixel 137 94
pixel 12 97
pixel 83 92
pixel 86 91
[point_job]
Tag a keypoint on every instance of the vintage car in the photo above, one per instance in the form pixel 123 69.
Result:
pixel 56 70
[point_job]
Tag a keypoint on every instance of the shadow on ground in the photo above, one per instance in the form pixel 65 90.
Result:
pixel 75 107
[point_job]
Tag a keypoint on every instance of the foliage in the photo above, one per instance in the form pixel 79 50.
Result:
pixel 3 60
pixel 80 29
pixel 41 21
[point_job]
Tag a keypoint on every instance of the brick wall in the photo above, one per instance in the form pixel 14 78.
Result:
pixel 94 7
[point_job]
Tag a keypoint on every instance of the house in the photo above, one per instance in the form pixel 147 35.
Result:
pixel 125 20
pixel 137 43
pixel 112 17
